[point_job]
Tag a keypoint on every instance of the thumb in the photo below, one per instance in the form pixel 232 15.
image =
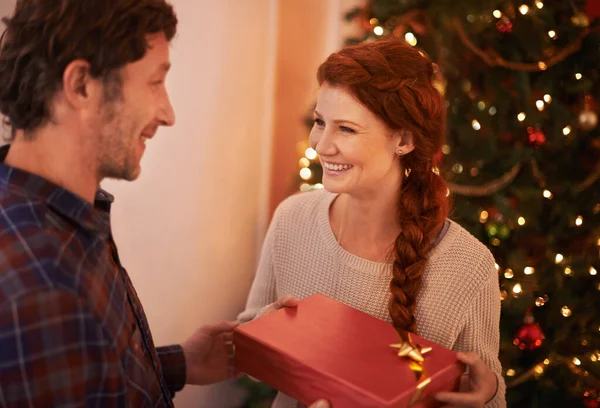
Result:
pixel 320 404
pixel 472 360
pixel 220 327
pixel 286 301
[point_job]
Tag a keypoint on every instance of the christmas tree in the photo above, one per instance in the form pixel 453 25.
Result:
pixel 520 80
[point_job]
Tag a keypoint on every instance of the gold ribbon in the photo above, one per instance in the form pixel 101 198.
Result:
pixel 414 352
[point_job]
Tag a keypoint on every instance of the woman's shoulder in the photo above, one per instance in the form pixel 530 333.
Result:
pixel 303 205
pixel 461 253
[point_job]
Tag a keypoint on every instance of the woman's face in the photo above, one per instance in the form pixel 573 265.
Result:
pixel 357 150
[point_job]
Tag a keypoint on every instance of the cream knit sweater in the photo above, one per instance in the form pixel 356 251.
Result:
pixel 458 306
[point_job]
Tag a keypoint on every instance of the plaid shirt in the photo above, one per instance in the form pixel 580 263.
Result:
pixel 72 329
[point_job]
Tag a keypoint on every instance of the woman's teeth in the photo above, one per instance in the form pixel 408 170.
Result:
pixel 338 167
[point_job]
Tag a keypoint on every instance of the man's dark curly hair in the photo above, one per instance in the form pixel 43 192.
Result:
pixel 44 36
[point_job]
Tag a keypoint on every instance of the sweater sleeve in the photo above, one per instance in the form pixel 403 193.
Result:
pixel 481 330
pixel 263 290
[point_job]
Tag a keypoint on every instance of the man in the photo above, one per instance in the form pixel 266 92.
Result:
pixel 83 88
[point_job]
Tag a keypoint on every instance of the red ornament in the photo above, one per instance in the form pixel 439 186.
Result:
pixel 504 25
pixel 530 335
pixel 592 402
pixel 536 137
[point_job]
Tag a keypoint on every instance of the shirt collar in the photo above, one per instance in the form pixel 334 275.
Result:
pixel 95 218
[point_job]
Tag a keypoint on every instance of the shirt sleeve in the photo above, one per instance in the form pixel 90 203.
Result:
pixel 263 291
pixel 172 361
pixel 481 331
pixel 54 352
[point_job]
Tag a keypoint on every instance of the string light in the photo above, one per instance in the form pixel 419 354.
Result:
pixel 547 194
pixel 594 358
pixel 539 369
pixel 510 372
pixel 446 149
pixel 578 76
pixel 546 361
pixel 558 258
pixel 474 171
pixel 410 38
pixel 492 111
pixel 483 216
pixel 539 4
pixel 521 116
pixel 497 13
pixel 566 130
pixel 304 162
pixel 524 9
pixel 593 271
pixel 304 187
pixel 378 30
pixel 540 105
pixel 547 98
pixel 579 221
pixel 539 302
pixel 374 21
pixel 529 270
pixel 476 125
pixel 319 185
pixel 503 294
pixel 521 221
pixel 542 65
pixel 509 274
pixel 305 173
pixel 568 271
pixel 566 312
pixel 495 242
pixel 552 34
pixel 497 267
pixel 457 168
pixel 310 153
pixel 576 361
pixel 517 289
pixel 471 18
pixel 481 105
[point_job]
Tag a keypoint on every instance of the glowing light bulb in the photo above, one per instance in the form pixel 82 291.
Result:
pixel 305 173
pixel 497 267
pixel 547 194
pixel 547 98
pixel 521 221
pixel 566 130
pixel 446 149
pixel 304 187
pixel 475 124
pixel 542 65
pixel 521 116
pixel 492 111
pixel 410 38
pixel 497 13
pixel 523 9
pixel 539 4
pixel 517 289
pixel 483 216
pixel 546 361
pixel 593 271
pixel 578 76
pixel 529 270
pixel 579 221
pixel 540 105
pixel 304 162
pixel 558 258
pixel 568 271
pixel 539 302
pixel 510 372
pixel 378 30
pixel 576 361
pixel 481 105
pixel 319 185
pixel 539 369
pixel 552 34
pixel 509 274
pixel 310 153
pixel 566 312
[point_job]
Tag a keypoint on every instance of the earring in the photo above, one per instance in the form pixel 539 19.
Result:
pixel 399 152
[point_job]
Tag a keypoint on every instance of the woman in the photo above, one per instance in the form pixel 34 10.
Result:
pixel 382 218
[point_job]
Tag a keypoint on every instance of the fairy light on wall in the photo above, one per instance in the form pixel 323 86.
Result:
pixel 524 9
pixel 529 270
pixel 593 271
pixel 310 153
pixel 378 30
pixel 566 130
pixel 305 173
pixel 497 13
pixel 552 34
pixel 578 76
pixel 539 4
pixel 517 289
pixel 566 312
pixel 508 273
pixel 476 125
pixel 304 162
pixel 558 258
pixel 521 116
pixel 521 221
pixel 539 105
pixel 579 221
pixel 547 194
pixel 483 217
pixel 410 38
pixel 547 98
pixel 568 271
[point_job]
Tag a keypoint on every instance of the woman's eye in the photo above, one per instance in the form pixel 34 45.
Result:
pixel 319 122
pixel 346 129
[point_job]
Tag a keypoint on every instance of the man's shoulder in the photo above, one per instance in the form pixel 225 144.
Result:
pixel 28 248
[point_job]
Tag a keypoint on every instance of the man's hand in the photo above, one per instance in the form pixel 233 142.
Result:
pixel 320 404
pixel 208 354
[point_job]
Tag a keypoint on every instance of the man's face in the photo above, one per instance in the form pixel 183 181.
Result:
pixel 131 115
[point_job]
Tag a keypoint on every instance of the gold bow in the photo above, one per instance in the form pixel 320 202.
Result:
pixel 414 352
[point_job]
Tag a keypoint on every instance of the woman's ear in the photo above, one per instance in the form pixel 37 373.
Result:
pixel 404 142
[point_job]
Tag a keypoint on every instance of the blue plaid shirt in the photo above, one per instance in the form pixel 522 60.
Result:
pixel 72 329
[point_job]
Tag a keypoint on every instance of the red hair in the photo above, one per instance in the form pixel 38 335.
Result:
pixel 394 81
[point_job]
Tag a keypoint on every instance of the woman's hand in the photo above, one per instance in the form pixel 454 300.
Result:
pixel 285 301
pixel 476 388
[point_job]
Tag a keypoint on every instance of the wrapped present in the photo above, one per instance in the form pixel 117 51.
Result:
pixel 325 349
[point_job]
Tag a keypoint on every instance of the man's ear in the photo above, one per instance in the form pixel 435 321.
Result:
pixel 80 89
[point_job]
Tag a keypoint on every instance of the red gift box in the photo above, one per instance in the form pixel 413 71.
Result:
pixel 325 349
